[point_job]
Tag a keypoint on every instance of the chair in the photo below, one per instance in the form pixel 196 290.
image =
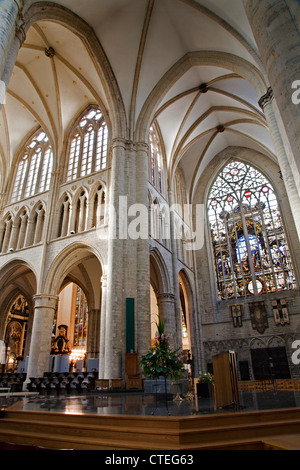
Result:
pixel 115 384
pixel 102 383
pixel 133 378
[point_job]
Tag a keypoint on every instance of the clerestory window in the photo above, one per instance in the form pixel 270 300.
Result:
pixel 34 169
pixel 155 161
pixel 250 248
pixel 89 146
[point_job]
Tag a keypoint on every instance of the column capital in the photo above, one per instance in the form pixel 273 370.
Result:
pixel 45 301
pixel 130 144
pixel 166 297
pixel 142 147
pixel 266 98
pixel 121 142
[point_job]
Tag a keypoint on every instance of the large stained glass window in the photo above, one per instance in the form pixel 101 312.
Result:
pixel 34 169
pixel 250 248
pixel 89 146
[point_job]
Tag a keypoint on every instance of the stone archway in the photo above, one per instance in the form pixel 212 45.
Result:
pixel 162 292
pixel 82 265
pixel 17 286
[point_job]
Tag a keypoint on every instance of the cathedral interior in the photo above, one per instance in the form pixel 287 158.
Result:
pixel 149 168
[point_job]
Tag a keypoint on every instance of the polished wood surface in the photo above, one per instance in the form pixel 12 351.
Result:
pixel 255 430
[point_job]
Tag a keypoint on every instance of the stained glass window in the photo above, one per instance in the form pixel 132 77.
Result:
pixel 250 248
pixel 34 169
pixel 81 319
pixel 155 166
pixel 89 146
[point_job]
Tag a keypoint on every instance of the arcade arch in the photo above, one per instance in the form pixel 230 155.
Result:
pixel 17 286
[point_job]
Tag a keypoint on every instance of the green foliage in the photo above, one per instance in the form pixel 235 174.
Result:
pixel 162 358
pixel 206 378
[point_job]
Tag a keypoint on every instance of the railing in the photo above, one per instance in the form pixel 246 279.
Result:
pixel 277 384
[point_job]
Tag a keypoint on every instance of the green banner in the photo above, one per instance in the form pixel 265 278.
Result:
pixel 130 325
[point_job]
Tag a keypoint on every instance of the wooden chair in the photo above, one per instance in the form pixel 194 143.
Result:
pixel 115 383
pixel 101 383
pixel 133 378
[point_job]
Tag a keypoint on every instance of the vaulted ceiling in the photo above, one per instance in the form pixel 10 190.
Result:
pixel 185 58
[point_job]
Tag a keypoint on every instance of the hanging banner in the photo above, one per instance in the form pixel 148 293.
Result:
pixel 236 312
pixel 280 311
pixel 258 315
pixel 130 330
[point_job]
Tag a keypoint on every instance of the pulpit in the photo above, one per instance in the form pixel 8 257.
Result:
pixel 226 379
pixel 133 378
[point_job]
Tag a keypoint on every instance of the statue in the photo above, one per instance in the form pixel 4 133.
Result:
pixel 60 343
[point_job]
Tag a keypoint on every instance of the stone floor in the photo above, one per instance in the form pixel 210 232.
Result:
pixel 138 403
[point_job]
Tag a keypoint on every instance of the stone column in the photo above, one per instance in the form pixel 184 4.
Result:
pixel 277 35
pixel 93 333
pixel 166 302
pixel 102 327
pixel 175 270
pixel 115 320
pixel 143 255
pixel 128 254
pixel 39 355
pixel 12 35
pixel 266 102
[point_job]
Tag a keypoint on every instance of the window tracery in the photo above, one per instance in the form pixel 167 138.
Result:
pixel 34 169
pixel 155 161
pixel 89 146
pixel 81 319
pixel 250 248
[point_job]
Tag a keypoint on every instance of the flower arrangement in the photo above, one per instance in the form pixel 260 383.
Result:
pixel 162 359
pixel 206 378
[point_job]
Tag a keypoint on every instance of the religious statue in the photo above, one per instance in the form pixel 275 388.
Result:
pixel 60 343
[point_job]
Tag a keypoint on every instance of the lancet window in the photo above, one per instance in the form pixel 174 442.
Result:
pixel 81 319
pixel 155 161
pixel 34 169
pixel 89 146
pixel 250 248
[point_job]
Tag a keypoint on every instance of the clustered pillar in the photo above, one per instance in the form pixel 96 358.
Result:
pixel 128 257
pixel 277 33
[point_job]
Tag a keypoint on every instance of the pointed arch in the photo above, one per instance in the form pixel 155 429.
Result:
pixel 157 162
pixel 87 148
pixel 5 231
pixel 61 225
pixel 37 222
pixel 250 248
pixel 34 167
pixel 160 276
pixel 219 59
pixel 65 266
pixel 62 15
pixel 79 211
pixel 97 205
